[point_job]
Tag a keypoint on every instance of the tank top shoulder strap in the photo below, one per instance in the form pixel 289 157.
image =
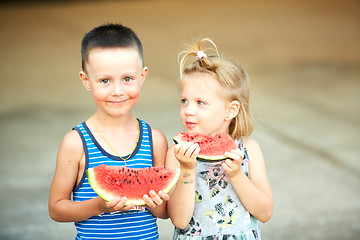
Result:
pixel 87 144
pixel 146 140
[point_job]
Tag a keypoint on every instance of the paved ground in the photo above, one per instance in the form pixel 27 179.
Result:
pixel 304 60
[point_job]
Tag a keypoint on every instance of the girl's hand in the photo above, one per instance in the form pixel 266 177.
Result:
pixel 186 153
pixel 114 206
pixel 232 165
pixel 153 200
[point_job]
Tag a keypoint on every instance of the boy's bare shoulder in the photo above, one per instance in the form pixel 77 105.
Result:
pixel 157 135
pixel 72 144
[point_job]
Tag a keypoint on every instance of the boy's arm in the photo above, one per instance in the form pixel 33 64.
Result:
pixel 156 202
pixel 255 191
pixel 182 201
pixel 61 207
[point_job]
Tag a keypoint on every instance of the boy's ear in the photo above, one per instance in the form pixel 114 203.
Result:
pixel 144 73
pixel 232 110
pixel 85 81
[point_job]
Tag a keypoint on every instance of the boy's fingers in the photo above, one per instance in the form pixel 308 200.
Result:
pixel 113 203
pixel 164 196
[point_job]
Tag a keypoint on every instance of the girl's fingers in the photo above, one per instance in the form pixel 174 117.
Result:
pixel 186 148
pixel 225 166
pixel 235 154
pixel 193 150
pixel 197 150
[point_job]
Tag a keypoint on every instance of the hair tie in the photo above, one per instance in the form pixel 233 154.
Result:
pixel 200 55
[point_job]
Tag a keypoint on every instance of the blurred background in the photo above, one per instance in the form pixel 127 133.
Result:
pixel 304 61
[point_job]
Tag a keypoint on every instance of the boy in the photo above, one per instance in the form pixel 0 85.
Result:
pixel 113 71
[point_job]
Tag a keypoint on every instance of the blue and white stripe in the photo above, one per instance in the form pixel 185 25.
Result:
pixel 119 225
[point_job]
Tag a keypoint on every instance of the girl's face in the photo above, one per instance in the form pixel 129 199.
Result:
pixel 114 76
pixel 202 109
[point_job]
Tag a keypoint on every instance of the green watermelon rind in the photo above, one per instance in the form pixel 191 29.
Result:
pixel 109 197
pixel 204 158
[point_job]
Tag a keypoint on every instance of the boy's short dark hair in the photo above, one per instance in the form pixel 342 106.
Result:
pixel 109 36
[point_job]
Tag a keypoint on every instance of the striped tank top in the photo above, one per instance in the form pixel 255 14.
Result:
pixel 134 224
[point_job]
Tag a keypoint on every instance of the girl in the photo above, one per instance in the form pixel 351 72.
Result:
pixel 217 200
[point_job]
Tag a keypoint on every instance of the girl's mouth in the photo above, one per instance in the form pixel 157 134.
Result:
pixel 190 125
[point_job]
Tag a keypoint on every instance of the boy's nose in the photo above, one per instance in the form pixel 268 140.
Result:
pixel 117 89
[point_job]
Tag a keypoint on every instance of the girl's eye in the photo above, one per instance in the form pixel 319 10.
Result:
pixel 105 81
pixel 128 79
pixel 184 101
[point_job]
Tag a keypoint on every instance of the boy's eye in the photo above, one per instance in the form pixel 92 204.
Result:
pixel 105 81
pixel 128 79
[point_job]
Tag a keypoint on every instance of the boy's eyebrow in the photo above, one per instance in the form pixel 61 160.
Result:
pixel 102 74
pixel 109 74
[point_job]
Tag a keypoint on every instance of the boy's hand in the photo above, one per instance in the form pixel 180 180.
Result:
pixel 186 153
pixel 152 200
pixel 115 205
pixel 232 165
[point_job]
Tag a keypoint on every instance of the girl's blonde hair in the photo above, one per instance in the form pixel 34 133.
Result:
pixel 234 81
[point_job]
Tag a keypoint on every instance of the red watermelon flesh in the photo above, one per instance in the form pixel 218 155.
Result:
pixel 212 148
pixel 111 182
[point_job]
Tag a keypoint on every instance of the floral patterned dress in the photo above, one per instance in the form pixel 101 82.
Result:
pixel 219 213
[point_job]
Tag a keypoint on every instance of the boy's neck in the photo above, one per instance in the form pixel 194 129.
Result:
pixel 111 122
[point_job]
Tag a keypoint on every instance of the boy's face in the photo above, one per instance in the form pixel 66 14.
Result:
pixel 114 76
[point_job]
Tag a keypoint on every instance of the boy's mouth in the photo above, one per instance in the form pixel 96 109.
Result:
pixel 118 102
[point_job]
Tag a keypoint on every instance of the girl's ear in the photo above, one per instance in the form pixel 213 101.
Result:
pixel 85 81
pixel 232 109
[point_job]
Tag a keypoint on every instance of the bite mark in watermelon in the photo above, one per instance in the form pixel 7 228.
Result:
pixel 212 148
pixel 111 182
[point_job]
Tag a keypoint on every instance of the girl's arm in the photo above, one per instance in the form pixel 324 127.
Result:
pixel 156 202
pixel 61 207
pixel 182 201
pixel 254 192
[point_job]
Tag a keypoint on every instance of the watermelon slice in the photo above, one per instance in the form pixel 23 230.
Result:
pixel 111 182
pixel 212 148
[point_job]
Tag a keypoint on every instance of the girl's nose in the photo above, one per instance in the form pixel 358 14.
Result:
pixel 189 110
